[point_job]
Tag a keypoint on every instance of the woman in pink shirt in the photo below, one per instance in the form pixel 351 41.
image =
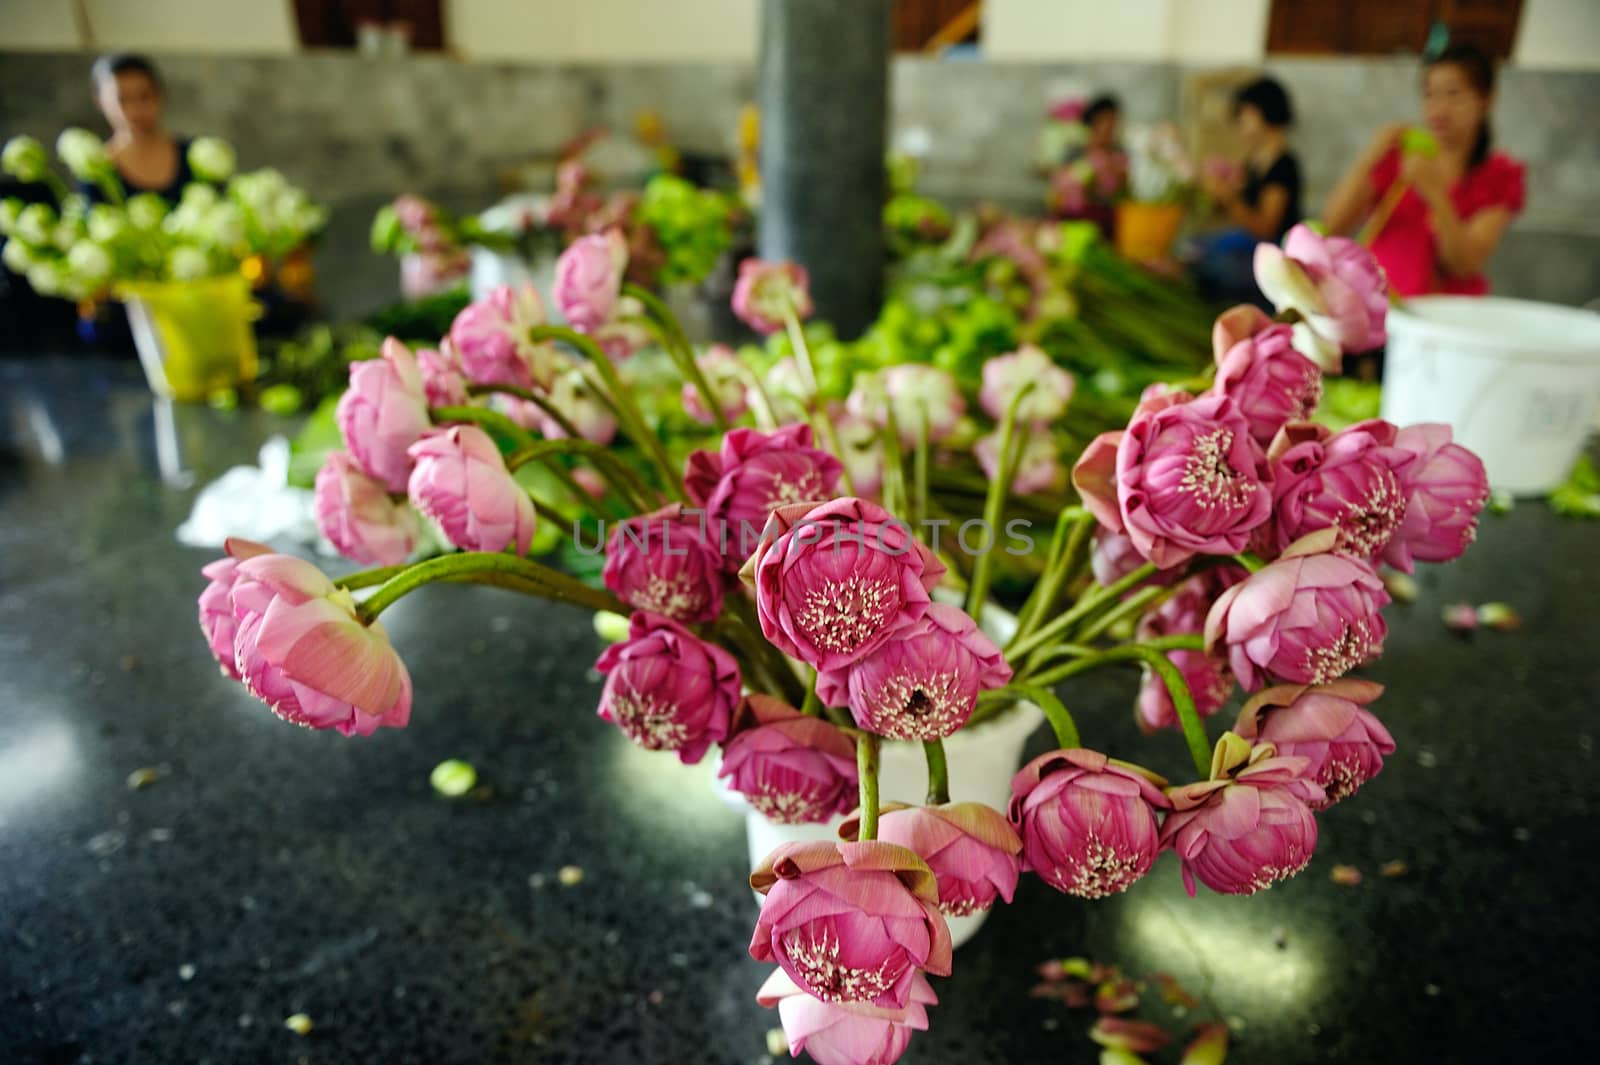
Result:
pixel 1457 203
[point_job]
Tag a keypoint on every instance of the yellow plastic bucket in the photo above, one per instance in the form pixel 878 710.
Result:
pixel 193 337
pixel 1145 231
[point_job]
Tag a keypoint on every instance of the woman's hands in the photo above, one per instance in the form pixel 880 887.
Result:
pixel 1426 174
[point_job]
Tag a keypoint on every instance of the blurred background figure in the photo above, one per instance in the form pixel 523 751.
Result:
pixel 1435 202
pixel 129 92
pixel 1258 196
pixel 1093 173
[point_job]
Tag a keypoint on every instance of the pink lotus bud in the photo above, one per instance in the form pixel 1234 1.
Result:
pixel 413 212
pixel 301 649
pixel 1349 481
pixel 791 768
pixel 850 922
pixel 574 396
pixel 1446 489
pixel 384 412
pixel 462 483
pixel 1184 478
pixel 1005 375
pixel 1335 285
pixel 1208 677
pixel 722 369
pixel 752 474
pixel 1114 557
pixel 1307 618
pixel 491 338
pixel 919 393
pixel 588 279
pixel 766 292
pixel 625 334
pixel 359 518
pixel 217 622
pixel 1329 726
pixel 662 562
pixel 590 481
pixel 921 685
pixel 1271 382
pixel 971 848
pixel 442 382
pixel 846 1033
pixel 834 581
pixel 1039 466
pixel 1070 110
pixel 1247 827
pixel 668 690
pixel 1088 822
pixel 1068 192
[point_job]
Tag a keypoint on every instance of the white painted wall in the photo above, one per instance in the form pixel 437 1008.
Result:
pixel 1558 35
pixel 35 26
pixel 604 31
pixel 255 26
pixel 1200 31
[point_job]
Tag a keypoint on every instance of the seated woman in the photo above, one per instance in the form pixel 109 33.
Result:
pixel 1260 202
pixel 1435 218
pixel 148 158
pixel 1095 173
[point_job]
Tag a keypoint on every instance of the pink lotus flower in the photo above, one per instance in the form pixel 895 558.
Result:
pixel 923 683
pixel 413 212
pixel 1070 110
pixel 1261 371
pixel 588 279
pixel 1329 726
pixel 834 581
pixel 1005 376
pixel 1088 822
pixel 754 473
pixel 790 768
pixel 462 483
pixel 1247 827
pixel 850 922
pixel 971 848
pixel 1308 618
pixel 442 382
pixel 1039 466
pixel 668 690
pixel 359 518
pixel 723 371
pixel 217 622
pixel 846 1033
pixel 767 292
pixel 1208 677
pixel 920 393
pixel 1114 556
pixel 384 412
pixel 662 562
pixel 1349 481
pixel 574 396
pixel 625 334
pixel 302 649
pixel 1184 478
pixel 491 338
pixel 1446 488
pixel 1335 285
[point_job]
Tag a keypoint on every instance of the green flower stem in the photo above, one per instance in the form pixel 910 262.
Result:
pixel 766 418
pixel 867 769
pixel 487 567
pixel 550 515
pixel 808 377
pixel 367 578
pixel 919 466
pixel 758 648
pixel 999 488
pixel 938 772
pixel 1132 606
pixel 679 348
pixel 1088 604
pixel 1194 732
pixel 488 419
pixel 1074 526
pixel 894 467
pixel 58 188
pixel 1055 711
pixel 617 473
pixel 1252 563
pixel 536 399
pixel 628 413
pixel 812 707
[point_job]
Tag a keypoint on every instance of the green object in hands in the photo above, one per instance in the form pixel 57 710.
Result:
pixel 1418 142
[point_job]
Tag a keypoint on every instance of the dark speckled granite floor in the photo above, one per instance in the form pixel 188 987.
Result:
pixel 272 870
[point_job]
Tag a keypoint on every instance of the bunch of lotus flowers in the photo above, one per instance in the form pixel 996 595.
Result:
pixel 790 619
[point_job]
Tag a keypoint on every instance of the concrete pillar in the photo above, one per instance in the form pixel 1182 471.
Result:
pixel 824 94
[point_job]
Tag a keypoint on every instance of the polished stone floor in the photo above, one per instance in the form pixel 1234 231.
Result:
pixel 269 871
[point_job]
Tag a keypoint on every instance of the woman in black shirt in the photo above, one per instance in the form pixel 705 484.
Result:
pixel 1267 202
pixel 148 158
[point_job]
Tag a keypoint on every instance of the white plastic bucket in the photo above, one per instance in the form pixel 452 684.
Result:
pixel 1518 381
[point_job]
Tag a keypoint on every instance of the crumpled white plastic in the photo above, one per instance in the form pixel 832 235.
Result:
pixel 253 502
